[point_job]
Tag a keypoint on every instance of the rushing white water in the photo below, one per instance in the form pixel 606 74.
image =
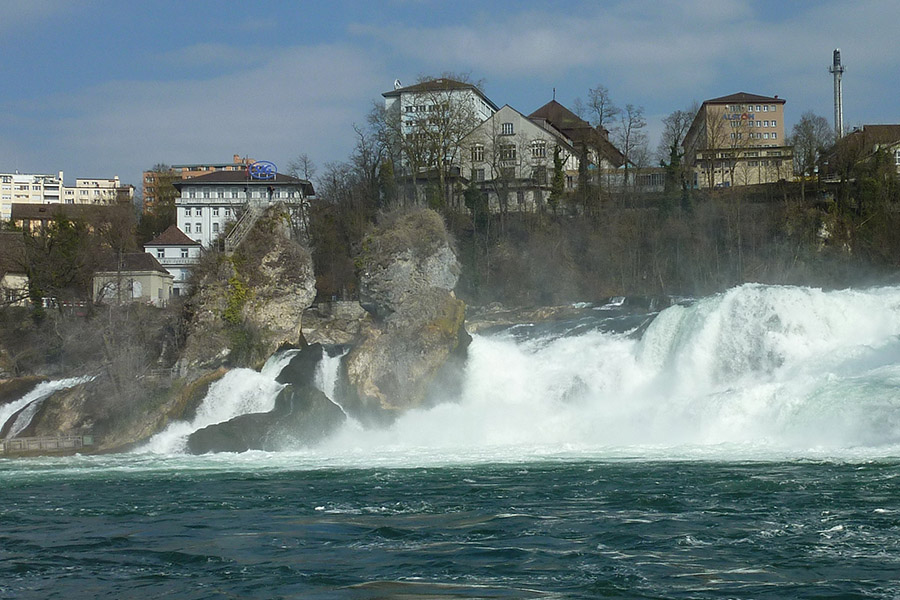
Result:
pixel 327 375
pixel 755 370
pixel 239 392
pixel 31 401
pixel 758 366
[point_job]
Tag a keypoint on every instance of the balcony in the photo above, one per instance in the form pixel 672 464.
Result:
pixel 191 260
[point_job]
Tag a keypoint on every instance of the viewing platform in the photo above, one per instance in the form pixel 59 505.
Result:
pixel 45 445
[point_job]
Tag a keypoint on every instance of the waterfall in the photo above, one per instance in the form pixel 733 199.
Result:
pixel 761 366
pixel 327 374
pixel 31 402
pixel 239 392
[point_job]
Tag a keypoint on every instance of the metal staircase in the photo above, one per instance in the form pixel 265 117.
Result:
pixel 243 227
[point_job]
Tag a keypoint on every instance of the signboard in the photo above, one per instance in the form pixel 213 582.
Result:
pixel 262 170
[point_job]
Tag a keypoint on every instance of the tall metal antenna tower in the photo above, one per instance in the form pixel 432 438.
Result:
pixel 837 69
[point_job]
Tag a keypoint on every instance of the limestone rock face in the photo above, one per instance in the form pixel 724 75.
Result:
pixel 251 303
pixel 409 271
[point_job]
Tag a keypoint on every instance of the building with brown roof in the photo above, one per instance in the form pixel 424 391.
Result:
pixel 207 203
pixel 739 140
pixel 157 182
pixel 132 277
pixel 177 254
pixel 861 145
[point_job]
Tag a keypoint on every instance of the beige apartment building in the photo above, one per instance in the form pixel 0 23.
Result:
pixel 738 140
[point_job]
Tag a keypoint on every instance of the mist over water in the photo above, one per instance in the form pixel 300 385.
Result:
pixel 756 371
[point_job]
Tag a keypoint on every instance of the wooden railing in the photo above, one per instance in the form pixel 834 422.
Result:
pixel 64 443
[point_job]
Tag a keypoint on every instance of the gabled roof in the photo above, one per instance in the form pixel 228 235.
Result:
pixel 578 130
pixel 745 98
pixel 441 84
pixel 560 117
pixel 172 237
pixel 130 261
pixel 12 252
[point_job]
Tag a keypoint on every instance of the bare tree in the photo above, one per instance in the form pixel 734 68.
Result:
pixel 600 107
pixel 302 167
pixel 810 136
pixel 630 135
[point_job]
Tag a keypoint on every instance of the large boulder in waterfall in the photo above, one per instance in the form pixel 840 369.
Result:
pixel 302 416
pixel 246 305
pixel 409 269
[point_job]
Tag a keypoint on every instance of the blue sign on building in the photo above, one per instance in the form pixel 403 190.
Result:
pixel 262 169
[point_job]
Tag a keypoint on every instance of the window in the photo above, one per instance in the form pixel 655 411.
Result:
pixel 199 211
pixel 570 182
pixel 184 253
pixel 187 227
pixel 478 153
pixel 220 193
pixel 478 174
pixel 160 253
pixel 206 193
pixel 765 108
pixel 215 227
pixel 506 129
pixel 227 212
pixel 187 212
pixel 765 136
pixel 539 175
pixel 199 227
pixel 897 156
pixel 774 123
pixel 539 149
pixel 215 211
pixel 520 197
pixel 774 136
pixel 508 152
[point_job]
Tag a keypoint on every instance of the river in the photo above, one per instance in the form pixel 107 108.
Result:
pixel 745 445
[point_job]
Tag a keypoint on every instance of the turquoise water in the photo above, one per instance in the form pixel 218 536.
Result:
pixel 564 528
pixel 746 445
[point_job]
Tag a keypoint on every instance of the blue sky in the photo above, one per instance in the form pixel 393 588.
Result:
pixel 101 88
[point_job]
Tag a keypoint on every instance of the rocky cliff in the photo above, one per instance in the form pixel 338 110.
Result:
pixel 247 305
pixel 416 334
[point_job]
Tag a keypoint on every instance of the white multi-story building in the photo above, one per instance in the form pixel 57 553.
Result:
pixel 97 191
pixel 414 103
pixel 207 203
pixel 28 188
pixel 33 188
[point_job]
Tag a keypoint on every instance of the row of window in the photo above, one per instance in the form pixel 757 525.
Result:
pixel 188 211
pixel 443 106
pixel 539 175
pixel 241 194
pixel 746 107
pixel 161 253
pixel 198 227
pixel 755 136
pixel 508 151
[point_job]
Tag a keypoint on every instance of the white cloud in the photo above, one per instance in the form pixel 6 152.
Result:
pixel 300 100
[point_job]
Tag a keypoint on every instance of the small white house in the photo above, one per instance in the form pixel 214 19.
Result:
pixel 177 253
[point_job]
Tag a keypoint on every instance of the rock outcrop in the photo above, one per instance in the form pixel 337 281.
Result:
pixel 302 415
pixel 249 304
pixel 416 335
